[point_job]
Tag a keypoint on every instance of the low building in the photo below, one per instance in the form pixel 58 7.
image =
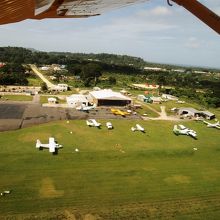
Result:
pixel 145 86
pixel 154 68
pixel 44 68
pixel 107 97
pixel 208 115
pixel 77 100
pixel 156 100
pixel 169 97
pixel 191 112
pixel 60 87
pixel 52 100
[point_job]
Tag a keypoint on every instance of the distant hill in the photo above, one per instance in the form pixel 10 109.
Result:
pixel 31 55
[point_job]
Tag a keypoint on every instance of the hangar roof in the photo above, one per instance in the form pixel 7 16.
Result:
pixel 108 94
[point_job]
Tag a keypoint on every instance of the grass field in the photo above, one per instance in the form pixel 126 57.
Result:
pixel 17 97
pixel 34 81
pixel 117 174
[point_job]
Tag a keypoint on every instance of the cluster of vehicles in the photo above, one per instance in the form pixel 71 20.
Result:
pixel 94 123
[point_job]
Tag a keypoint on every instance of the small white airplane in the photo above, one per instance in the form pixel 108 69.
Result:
pixel 212 125
pixel 181 129
pixel 93 123
pixel 85 108
pixel 109 125
pixel 138 128
pixel 52 145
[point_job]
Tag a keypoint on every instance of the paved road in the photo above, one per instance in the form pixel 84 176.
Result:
pixel 40 75
pixel 36 99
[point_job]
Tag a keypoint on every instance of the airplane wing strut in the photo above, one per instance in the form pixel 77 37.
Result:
pixel 201 12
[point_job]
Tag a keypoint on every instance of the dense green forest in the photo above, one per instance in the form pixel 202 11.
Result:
pixel 203 87
pixel 13 74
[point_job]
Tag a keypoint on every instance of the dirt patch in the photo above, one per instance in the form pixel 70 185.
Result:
pixel 48 190
pixel 89 217
pixel 119 148
pixel 177 179
pixel 69 215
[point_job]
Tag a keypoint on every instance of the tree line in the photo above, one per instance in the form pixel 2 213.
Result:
pixel 91 66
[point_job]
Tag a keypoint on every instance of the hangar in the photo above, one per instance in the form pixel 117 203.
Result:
pixel 194 113
pixel 107 97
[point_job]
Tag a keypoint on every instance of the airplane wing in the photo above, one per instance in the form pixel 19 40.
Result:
pixel 45 145
pixel 206 122
pixel 18 10
pixel 139 127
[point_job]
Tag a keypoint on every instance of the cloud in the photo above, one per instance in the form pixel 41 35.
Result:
pixel 156 11
pixel 193 43
pixel 160 11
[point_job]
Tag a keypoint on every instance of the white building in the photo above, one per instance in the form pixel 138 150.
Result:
pixel 44 68
pixel 77 100
pixel 146 86
pixel 169 97
pixel 52 100
pixel 60 87
pixel 156 100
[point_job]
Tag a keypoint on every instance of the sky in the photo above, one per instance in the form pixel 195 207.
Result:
pixel 152 30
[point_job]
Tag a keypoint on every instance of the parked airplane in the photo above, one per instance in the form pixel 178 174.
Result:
pixel 119 112
pixel 181 129
pixel 138 128
pixel 212 125
pixel 18 10
pixel 52 145
pixel 93 123
pixel 85 108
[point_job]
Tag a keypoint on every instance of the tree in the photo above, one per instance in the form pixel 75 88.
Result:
pixel 112 80
pixel 90 72
pixel 13 74
pixel 44 86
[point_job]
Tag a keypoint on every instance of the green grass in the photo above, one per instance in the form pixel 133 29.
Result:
pixel 158 176
pixel 17 97
pixel 146 110
pixel 34 81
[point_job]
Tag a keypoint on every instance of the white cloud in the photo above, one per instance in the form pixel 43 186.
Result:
pixel 160 11
pixel 193 43
pixel 157 11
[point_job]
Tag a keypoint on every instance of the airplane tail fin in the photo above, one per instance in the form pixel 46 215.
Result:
pixel 38 143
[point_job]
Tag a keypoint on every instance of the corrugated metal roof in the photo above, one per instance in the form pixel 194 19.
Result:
pixel 108 94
